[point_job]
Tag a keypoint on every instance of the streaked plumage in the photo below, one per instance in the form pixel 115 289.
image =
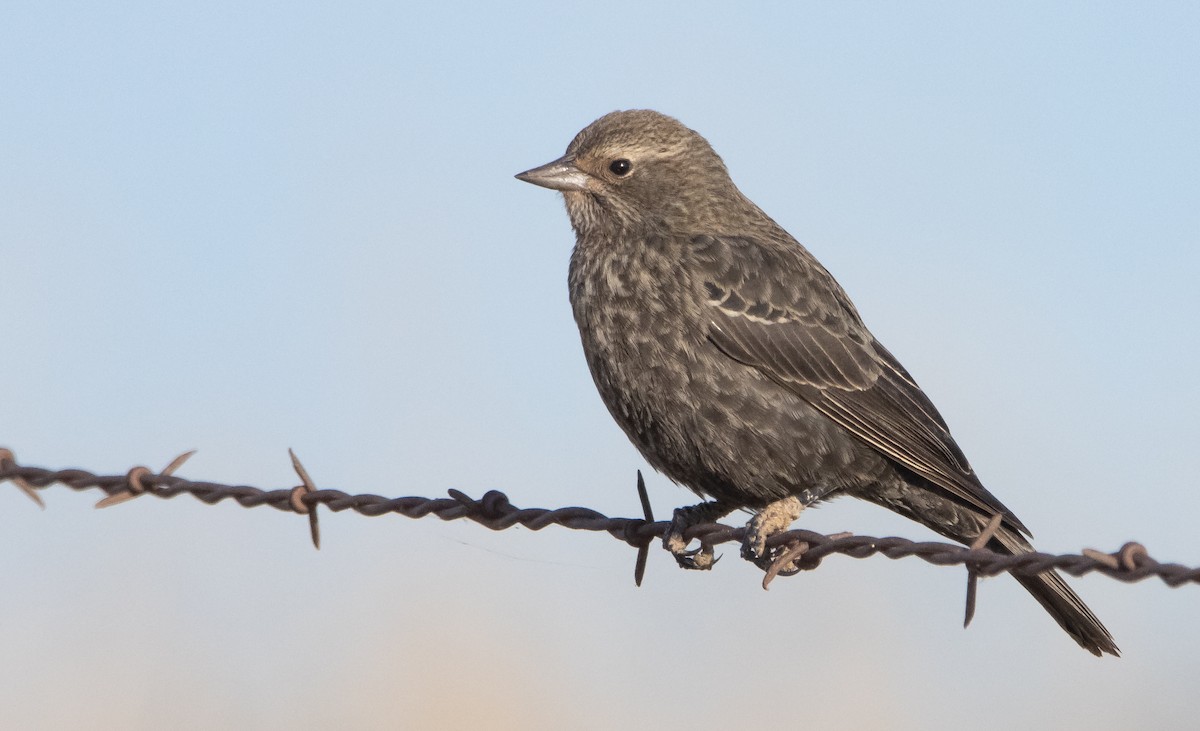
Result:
pixel 737 364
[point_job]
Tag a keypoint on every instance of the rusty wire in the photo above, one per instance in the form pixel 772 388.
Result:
pixel 794 550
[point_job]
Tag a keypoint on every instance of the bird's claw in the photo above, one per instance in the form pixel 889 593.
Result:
pixel 699 559
pixel 770 558
pixel 674 540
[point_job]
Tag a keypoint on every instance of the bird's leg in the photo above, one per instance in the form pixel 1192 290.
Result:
pixel 775 518
pixel 684 518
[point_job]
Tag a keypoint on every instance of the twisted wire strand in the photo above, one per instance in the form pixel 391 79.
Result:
pixel 794 550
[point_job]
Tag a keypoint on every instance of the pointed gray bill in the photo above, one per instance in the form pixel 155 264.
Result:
pixel 558 175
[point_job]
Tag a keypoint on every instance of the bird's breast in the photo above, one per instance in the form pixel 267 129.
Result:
pixel 707 421
pixel 638 334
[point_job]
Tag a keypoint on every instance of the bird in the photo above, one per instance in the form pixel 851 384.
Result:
pixel 739 367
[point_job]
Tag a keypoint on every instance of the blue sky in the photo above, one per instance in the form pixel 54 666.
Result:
pixel 243 227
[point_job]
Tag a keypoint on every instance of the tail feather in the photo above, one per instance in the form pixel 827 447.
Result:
pixel 964 523
pixel 1058 599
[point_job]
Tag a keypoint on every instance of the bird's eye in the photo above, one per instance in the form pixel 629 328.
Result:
pixel 620 168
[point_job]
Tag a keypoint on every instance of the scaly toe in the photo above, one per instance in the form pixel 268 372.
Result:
pixel 772 519
pixel 674 542
pixel 754 546
pixel 698 559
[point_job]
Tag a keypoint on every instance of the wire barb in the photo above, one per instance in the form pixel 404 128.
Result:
pixel 135 481
pixel 981 541
pixel 296 499
pixel 1131 563
pixel 639 565
pixel 786 564
pixel 8 458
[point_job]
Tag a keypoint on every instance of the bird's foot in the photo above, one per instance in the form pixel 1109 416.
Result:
pixel 775 518
pixel 676 542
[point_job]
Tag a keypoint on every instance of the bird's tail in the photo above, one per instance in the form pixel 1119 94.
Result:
pixel 1058 599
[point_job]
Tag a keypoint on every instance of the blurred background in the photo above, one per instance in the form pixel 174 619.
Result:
pixel 242 227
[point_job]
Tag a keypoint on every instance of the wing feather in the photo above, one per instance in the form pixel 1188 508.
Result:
pixel 813 341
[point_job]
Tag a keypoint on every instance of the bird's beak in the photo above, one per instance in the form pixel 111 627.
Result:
pixel 562 174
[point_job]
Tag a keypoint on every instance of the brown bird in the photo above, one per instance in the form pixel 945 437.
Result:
pixel 740 368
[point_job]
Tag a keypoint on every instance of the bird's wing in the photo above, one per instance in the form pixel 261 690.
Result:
pixel 773 307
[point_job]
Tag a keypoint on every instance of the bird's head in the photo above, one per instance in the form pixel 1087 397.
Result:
pixel 638 168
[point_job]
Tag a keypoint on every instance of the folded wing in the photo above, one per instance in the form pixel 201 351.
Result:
pixel 773 307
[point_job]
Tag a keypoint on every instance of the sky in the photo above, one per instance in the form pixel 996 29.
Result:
pixel 244 227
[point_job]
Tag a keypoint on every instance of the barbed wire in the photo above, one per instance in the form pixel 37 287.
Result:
pixel 793 550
